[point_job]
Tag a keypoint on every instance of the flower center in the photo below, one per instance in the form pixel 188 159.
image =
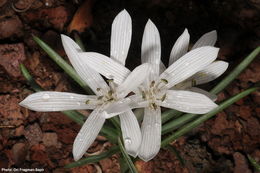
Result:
pixel 107 96
pixel 155 91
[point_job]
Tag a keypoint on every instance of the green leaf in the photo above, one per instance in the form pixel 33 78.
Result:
pixel 93 159
pixel 254 163
pixel 126 157
pixel 207 116
pixel 79 41
pixel 176 123
pixel 170 114
pixel 62 63
pixel 232 75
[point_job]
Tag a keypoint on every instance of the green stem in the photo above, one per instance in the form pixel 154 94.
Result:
pixel 63 64
pixel 93 159
pixel 232 75
pixel 207 116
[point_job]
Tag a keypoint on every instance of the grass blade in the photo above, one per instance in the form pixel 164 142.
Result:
pixel 254 163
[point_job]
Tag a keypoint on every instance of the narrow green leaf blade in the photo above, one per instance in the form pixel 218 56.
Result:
pixel 254 163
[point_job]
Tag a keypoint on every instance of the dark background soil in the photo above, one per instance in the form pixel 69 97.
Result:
pixel 44 140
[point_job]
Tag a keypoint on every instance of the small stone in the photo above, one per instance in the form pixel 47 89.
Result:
pixel 10 26
pixel 50 139
pixel 19 152
pixel 19 131
pixel 33 134
pixel 241 165
pixel 11 55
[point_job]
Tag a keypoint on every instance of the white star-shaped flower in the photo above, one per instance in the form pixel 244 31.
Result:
pixel 109 99
pixel 157 90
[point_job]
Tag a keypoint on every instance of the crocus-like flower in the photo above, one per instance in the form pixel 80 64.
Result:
pixel 209 73
pixel 157 90
pixel 109 99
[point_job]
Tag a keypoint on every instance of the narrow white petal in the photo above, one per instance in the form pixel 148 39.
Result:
pixel 189 64
pixel 211 72
pixel 151 134
pixel 49 101
pixel 212 97
pixel 134 79
pixel 151 46
pixel 208 39
pixel 121 36
pixel 105 66
pixel 131 132
pixel 92 78
pixel 88 133
pixel 187 101
pixel 180 47
pixel 116 108
pixel 162 67
pixel 137 101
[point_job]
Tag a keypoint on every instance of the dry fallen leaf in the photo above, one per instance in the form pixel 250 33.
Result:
pixel 82 18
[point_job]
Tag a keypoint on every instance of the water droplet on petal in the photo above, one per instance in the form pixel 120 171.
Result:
pixel 157 124
pixel 71 97
pixel 45 96
pixel 78 103
pixel 128 141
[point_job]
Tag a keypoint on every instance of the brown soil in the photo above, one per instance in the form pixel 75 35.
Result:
pixel 44 140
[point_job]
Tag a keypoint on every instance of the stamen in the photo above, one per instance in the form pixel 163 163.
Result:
pixel 163 97
pixel 152 84
pixel 143 95
pixel 87 101
pixel 164 81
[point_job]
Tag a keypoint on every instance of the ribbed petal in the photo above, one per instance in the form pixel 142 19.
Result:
pixel 105 66
pixel 121 37
pixel 151 134
pixel 151 47
pixel 212 97
pixel 131 132
pixel 208 39
pixel 189 64
pixel 49 101
pixel 180 47
pixel 211 72
pixel 92 78
pixel 137 101
pixel 134 79
pixel 88 133
pixel 162 67
pixel 117 108
pixel 187 101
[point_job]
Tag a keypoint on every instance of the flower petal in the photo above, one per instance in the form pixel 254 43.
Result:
pixel 189 64
pixel 187 101
pixel 92 78
pixel 121 37
pixel 49 101
pixel 208 39
pixel 134 79
pixel 131 132
pixel 212 97
pixel 151 134
pixel 137 101
pixel 117 108
pixel 162 67
pixel 180 47
pixel 105 66
pixel 88 133
pixel 151 46
pixel 211 72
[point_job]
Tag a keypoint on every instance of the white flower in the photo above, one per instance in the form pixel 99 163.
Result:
pixel 157 92
pixel 109 99
pixel 209 73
